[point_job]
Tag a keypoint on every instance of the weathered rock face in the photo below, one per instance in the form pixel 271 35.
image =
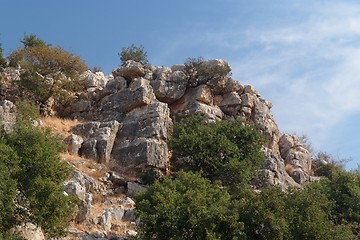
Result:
pixel 169 86
pixel 142 139
pixel 7 115
pixel 296 156
pixel 94 81
pixel 130 70
pixel 98 139
pixel 142 98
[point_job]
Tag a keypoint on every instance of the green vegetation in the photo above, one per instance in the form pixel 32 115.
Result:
pixel 229 151
pixel 48 71
pixel 32 41
pixel 135 53
pixel 200 72
pixel 3 62
pixel 213 198
pixel 31 170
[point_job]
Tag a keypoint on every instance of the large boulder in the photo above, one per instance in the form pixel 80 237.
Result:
pixel 169 86
pixel 150 121
pixel 130 70
pixel 142 152
pixel 94 80
pixel 116 105
pixel 98 138
pixel 142 139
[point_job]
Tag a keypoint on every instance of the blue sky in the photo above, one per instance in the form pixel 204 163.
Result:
pixel 303 56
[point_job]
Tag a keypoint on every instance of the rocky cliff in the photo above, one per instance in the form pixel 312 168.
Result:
pixel 125 120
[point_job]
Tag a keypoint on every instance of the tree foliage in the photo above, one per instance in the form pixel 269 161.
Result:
pixel 32 41
pixel 47 71
pixel 188 207
pixel 229 151
pixel 31 170
pixel 135 53
pixel 199 206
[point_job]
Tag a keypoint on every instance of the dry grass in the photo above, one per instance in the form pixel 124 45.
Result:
pixel 289 168
pixel 59 126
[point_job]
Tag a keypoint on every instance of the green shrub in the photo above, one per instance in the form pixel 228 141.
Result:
pixel 229 151
pixel 135 53
pixel 48 71
pixel 32 41
pixel 188 207
pixel 200 72
pixel 30 164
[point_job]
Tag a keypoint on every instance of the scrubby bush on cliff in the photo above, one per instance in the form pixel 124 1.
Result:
pixel 135 53
pixel 47 71
pixel 200 71
pixel 229 151
pixel 30 169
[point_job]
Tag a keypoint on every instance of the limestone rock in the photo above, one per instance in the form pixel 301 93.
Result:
pixel 141 151
pixel 99 139
pixel 170 89
pixel 138 94
pixel 105 220
pixel 115 85
pixel 74 143
pixel 94 80
pixel 273 172
pixel 231 103
pixel 297 156
pixel 150 121
pixel 130 70
pixel 7 115
pixel 162 73
pixel 29 231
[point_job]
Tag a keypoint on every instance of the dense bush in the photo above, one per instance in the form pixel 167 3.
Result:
pixel 229 151
pixel 47 71
pixel 198 206
pixel 188 207
pixel 135 53
pixel 31 170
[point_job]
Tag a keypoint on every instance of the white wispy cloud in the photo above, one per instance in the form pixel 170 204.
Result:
pixel 308 66
pixel 309 69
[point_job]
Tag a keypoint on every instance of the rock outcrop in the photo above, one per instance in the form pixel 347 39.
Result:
pixel 127 120
pixel 142 98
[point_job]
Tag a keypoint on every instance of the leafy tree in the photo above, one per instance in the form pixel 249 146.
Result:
pixel 188 207
pixel 30 168
pixel 229 151
pixel 135 53
pixel 48 71
pixel 309 215
pixel 32 41
pixel 9 167
pixel 263 214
